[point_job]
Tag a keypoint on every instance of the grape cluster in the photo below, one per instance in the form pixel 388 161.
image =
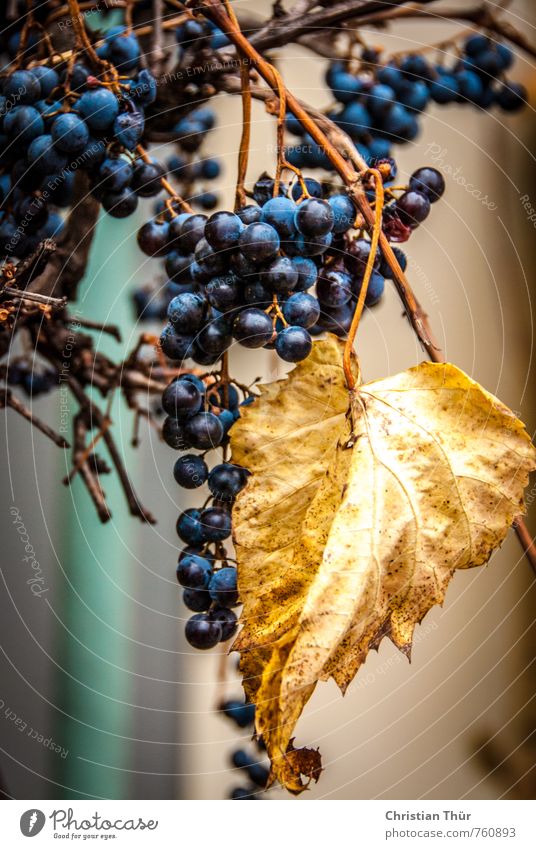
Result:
pixel 199 415
pixel 249 276
pixel 380 103
pixel 56 119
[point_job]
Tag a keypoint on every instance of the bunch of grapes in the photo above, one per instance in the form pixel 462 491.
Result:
pixel 270 275
pixel 199 415
pixel 381 101
pixel 56 119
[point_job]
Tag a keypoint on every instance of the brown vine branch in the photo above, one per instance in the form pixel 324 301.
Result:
pixel 8 399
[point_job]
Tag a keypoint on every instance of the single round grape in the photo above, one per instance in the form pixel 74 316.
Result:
pixel 314 188
pixel 120 204
pixel 197 600
pixel 186 312
pixel 23 124
pixel 227 619
pixel 189 527
pixel 226 480
pixel 190 471
pixel 375 288
pixel 301 310
pixel 223 230
pixel 223 292
pixel 69 132
pixel 249 214
pixel 215 337
pixel 413 207
pixel 204 430
pixel 307 272
pixel 429 182
pixel 128 129
pixel 153 238
pixel 147 178
pixel 359 251
pixel 223 587
pixel 173 434
pixel 314 217
pixel 194 572
pixel 259 242
pixel 181 399
pixel 281 275
pixel 313 245
pixel 293 344
pixel 191 232
pixel 210 261
pixel 197 382
pixel 344 213
pixel 45 156
pixel 48 79
pixel 280 213
pixel 99 108
pixel 334 288
pixel 114 174
pixel 22 87
pixel 124 52
pixel 203 632
pixel 256 294
pixel 216 523
pixel 253 328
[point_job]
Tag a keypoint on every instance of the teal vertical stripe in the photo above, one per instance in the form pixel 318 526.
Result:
pixel 94 688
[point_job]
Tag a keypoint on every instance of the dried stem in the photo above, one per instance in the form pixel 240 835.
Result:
pixel 351 380
pixel 8 399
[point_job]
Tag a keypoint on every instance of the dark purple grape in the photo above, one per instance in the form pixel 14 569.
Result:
pixel 429 182
pixel 253 328
pixel 314 217
pixel 173 434
pixel 197 600
pixel 186 312
pixel 259 242
pixel 203 632
pixel 190 471
pixel 194 571
pixel 227 619
pixel 223 587
pixel 413 207
pixel 293 344
pixel 281 275
pixel 301 310
pixel 216 522
pixel 223 230
pixel 153 238
pixel 204 431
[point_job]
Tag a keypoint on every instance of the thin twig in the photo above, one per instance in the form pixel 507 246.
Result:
pixel 8 399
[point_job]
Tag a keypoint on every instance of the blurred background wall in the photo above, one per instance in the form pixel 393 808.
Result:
pixel 100 695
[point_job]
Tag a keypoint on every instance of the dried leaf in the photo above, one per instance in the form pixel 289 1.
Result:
pixel 352 526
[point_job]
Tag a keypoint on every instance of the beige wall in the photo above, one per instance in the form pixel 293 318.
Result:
pixel 410 731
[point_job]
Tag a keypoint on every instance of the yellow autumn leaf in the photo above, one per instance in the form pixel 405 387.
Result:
pixel 358 511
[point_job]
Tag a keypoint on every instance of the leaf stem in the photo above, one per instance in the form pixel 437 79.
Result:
pixel 351 379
